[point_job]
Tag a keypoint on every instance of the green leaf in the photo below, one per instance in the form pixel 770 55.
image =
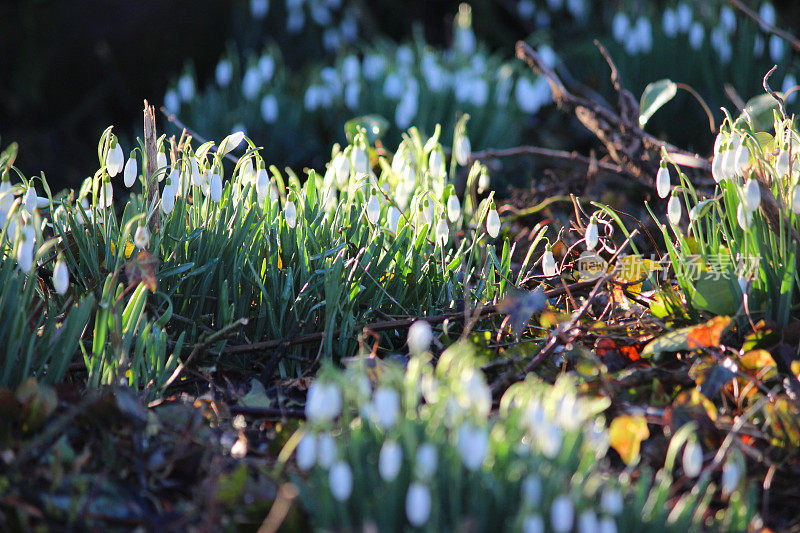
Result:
pixel 758 112
pixel 655 95
pixel 717 296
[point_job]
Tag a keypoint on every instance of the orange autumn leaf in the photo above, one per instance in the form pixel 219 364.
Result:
pixel 707 335
pixel 626 434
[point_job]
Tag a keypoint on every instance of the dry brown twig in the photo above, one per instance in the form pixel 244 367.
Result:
pixel 785 35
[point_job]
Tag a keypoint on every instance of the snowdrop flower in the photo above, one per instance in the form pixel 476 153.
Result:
pixel 532 490
pixel 106 198
pixel 161 161
pixel 674 210
pixel 351 68
pixel 406 110
pixel 171 101
pixel 453 207
pixel 620 26
pixel 130 172
pixel 418 504
pixel 360 162
pixel 796 200
pixel 662 181
pixel 60 276
pixel 550 438
pixel 592 235
pixel 483 185
pixel 142 237
pixel 767 14
pixel 463 150
pixel 426 211
pixel 562 514
pixel 251 83
pixel 692 459
pixel 776 49
pixel 479 92
pixel 420 336
pixel 386 406
pixel 742 157
pixel 478 392
pixel 393 219
pixel 549 264
pixel 744 217
pixel 684 13
pixel 696 35
pixel 611 501
pixel 472 444
pixel 789 83
pixel 526 96
pixel 731 473
pixel 115 159
pixel 669 23
pixel 186 87
pixel 442 232
pixel 426 460
pixel 607 525
pixel 752 195
pixel 26 248
pixel 727 19
pixel 533 524
pixel 168 199
pixel 295 21
pixel 262 185
pixel 644 34
pixel 290 214
pixel 326 450
pixel 266 67
pixel 390 460
pixel 341 481
pixel 259 8
pixel 373 209
pixel 588 522
pixel 306 454
pixel 393 86
pixel 223 73
pixel 341 166
pixel 216 187
pixel 693 213
pixel 493 223
pixel 351 94
pixel 323 402
pixel 30 199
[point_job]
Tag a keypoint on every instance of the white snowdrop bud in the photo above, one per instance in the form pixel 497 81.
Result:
pixel 186 87
pixel 306 454
pixel 373 209
pixel 168 199
pixel 483 182
pixel 30 200
pixel 386 406
pixel 796 200
pixel 742 157
pixel 216 187
pixel 197 176
pixel 436 165
pixel 592 235
pixel 60 276
pixel 426 460
pixel 693 213
pixel 131 170
pixel 115 160
pixel 608 525
pixel 26 248
pixel 611 501
pixel 533 524
pixel 420 336
pixel 463 150
pixel 341 165
pixel 223 73
pixel 326 450
pixel 731 474
pixel 532 490
pixel 290 214
pixel 453 208
pixel 588 522
pixel 393 219
pixel 161 162
pixel 323 402
pixel 251 83
pixel 262 184
pixel 171 101
pixel 674 210
pixel 550 438
pixel 692 459
pixel 662 182
pixel 717 167
pixel 743 217
pixel 752 195
pixel 142 237
pixel 442 232
pixel 427 211
pixel 562 514
pixel 259 8
pixel 341 481
pixel 620 26
pixel 269 109
pixel 782 163
pixel 549 264
pixel 493 223
pixel 418 504
pixel 390 460
pixel 472 443
pixel 360 162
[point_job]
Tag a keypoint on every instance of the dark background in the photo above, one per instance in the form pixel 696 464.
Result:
pixel 69 68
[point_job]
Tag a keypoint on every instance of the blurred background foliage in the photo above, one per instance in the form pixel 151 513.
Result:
pixel 69 67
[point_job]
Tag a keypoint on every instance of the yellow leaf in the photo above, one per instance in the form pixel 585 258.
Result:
pixel 635 269
pixel 626 435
